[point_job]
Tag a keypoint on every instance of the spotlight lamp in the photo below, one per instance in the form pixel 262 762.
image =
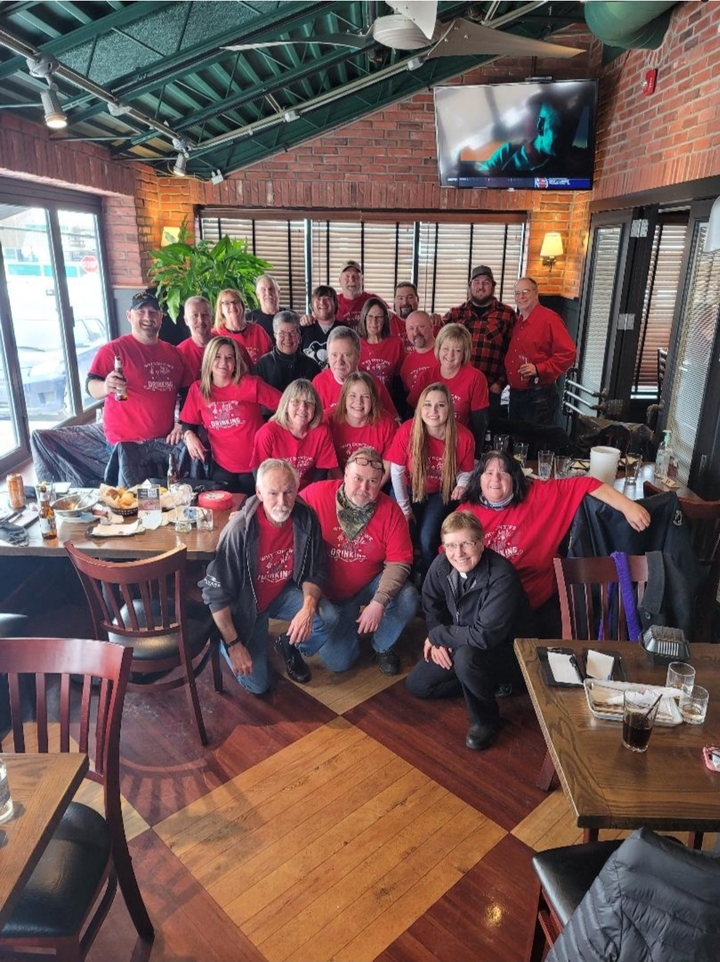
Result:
pixel 180 168
pixel 43 67
pixel 551 249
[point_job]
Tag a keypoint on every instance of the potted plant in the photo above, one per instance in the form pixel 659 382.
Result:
pixel 182 270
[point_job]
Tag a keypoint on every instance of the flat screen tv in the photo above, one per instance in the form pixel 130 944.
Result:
pixel 532 135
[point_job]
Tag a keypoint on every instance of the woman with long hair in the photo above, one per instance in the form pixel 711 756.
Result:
pixel 230 321
pixel 431 459
pixel 467 385
pixel 381 353
pixel 228 403
pixel 359 421
pixel 297 433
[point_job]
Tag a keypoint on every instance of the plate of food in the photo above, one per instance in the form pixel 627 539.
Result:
pixel 605 700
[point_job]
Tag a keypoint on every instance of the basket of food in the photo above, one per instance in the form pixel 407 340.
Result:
pixel 121 501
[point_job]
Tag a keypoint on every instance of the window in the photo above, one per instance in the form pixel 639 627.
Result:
pixel 53 310
pixel 437 256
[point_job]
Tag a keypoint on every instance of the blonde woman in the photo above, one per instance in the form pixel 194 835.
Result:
pixel 296 433
pixel 230 321
pixel 228 403
pixel 467 385
pixel 359 421
pixel 431 459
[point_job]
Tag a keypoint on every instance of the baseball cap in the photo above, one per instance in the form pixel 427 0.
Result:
pixel 144 299
pixel 351 264
pixel 482 269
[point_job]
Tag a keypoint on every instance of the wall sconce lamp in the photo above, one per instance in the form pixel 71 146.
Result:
pixel 551 249
pixel 712 237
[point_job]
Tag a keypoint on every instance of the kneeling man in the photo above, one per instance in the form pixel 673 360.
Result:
pixel 369 557
pixel 474 607
pixel 270 563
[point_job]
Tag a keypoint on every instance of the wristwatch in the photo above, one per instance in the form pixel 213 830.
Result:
pixel 231 644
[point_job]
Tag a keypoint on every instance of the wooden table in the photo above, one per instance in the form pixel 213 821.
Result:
pixel 666 788
pixel 41 788
pixel 201 545
pixel 647 473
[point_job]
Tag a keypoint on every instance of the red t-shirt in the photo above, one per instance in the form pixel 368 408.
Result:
pixel 254 339
pixel 347 439
pixel 399 453
pixel 330 390
pixel 469 390
pixel 353 564
pixel 416 366
pixel 382 360
pixel 315 450
pixel 276 557
pixel 529 534
pixel 232 417
pixel 348 312
pixel 194 354
pixel 154 373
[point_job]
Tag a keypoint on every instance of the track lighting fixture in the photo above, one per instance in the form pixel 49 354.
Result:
pixel 180 168
pixel 42 67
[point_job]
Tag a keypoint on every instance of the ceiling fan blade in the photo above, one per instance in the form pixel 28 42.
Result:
pixel 356 41
pixel 422 13
pixel 464 38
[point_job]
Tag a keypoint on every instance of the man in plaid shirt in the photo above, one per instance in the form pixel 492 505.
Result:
pixel 490 323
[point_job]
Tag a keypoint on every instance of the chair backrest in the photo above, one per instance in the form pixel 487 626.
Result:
pixel 134 599
pixel 584 589
pixel 615 436
pixel 80 686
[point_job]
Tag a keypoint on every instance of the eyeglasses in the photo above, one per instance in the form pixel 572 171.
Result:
pixel 525 290
pixel 465 545
pixel 230 303
pixel 365 462
pixel 287 335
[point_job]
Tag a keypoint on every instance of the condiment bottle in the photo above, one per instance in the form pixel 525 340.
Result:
pixel 46 514
pixel 121 392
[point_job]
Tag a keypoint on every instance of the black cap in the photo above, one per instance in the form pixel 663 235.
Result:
pixel 482 269
pixel 143 299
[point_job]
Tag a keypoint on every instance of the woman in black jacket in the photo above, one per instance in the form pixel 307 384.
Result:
pixel 474 607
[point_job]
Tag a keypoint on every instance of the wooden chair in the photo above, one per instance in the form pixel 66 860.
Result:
pixel 63 903
pixel 141 604
pixel 584 590
pixel 615 436
pixel 703 518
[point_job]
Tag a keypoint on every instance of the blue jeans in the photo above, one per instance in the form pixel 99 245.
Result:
pixel 429 516
pixel 337 653
pixel 398 613
pixel 535 405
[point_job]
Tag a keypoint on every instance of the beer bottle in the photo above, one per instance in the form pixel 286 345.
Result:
pixel 46 514
pixel 121 392
pixel 172 474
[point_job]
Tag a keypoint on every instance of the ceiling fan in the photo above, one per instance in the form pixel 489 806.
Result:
pixel 414 26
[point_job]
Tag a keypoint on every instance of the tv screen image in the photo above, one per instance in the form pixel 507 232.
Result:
pixel 532 135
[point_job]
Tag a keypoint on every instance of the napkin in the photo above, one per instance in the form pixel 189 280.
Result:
pixel 564 668
pixel 13 534
pixel 599 665
pixel 116 530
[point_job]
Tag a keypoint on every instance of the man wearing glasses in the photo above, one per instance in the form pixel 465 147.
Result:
pixel 540 352
pixel 369 557
pixel 474 607
pixel 286 362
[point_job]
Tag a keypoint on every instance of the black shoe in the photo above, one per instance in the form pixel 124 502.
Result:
pixel 295 664
pixel 388 661
pixel 504 690
pixel 481 737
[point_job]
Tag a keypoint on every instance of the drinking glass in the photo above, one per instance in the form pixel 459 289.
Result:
pixel 694 705
pixel 633 463
pixel 501 442
pixel 181 495
pixel 545 464
pixel 680 676
pixel 639 711
pixel 562 466
pixel 205 520
pixel 520 452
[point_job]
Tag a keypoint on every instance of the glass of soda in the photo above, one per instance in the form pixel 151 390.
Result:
pixel 639 712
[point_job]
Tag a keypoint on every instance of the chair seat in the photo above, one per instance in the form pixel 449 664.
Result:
pixel 156 648
pixel 566 874
pixel 65 882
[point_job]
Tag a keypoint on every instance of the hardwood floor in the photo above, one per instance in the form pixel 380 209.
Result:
pixel 340 820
